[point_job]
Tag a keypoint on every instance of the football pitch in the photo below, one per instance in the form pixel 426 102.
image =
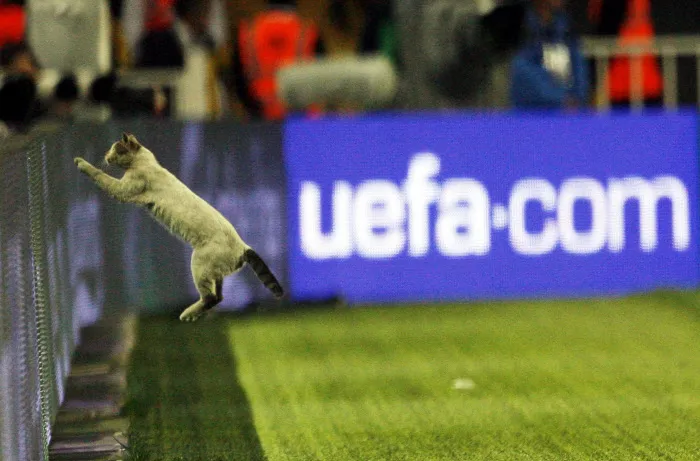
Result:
pixel 582 379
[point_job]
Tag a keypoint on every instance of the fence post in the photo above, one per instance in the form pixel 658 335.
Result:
pixel 670 69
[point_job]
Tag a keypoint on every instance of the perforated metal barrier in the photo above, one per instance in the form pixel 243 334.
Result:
pixel 38 320
pixel 37 331
pixel 69 254
pixel 20 407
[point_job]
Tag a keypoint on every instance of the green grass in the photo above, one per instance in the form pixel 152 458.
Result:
pixel 616 379
pixel 185 402
pixel 593 379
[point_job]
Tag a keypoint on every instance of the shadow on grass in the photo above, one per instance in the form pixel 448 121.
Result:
pixel 185 401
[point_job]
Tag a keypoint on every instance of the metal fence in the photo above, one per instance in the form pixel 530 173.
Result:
pixel 36 329
pixel 669 51
pixel 39 316
pixel 69 254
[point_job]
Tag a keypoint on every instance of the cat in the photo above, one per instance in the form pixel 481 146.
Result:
pixel 218 249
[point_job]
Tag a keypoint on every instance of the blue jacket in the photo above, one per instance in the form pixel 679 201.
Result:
pixel 532 85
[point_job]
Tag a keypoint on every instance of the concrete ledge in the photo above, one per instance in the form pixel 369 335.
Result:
pixel 89 424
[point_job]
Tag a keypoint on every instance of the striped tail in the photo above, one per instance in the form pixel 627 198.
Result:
pixel 263 272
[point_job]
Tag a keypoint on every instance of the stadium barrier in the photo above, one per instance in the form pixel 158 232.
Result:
pixel 453 207
pixel 37 321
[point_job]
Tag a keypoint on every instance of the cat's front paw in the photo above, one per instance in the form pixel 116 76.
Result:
pixel 82 164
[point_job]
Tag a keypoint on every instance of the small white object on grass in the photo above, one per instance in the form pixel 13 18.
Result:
pixel 463 384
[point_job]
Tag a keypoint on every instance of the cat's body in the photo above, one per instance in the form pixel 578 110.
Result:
pixel 218 249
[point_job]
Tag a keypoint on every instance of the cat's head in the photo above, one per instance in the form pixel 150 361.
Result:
pixel 124 152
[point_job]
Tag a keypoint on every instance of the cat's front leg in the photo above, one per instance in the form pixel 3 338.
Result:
pixel 120 190
pixel 86 167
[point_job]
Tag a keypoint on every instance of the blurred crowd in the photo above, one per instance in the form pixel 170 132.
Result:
pixel 487 54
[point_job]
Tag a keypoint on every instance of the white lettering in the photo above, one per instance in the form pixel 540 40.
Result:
pixel 532 190
pixel 573 240
pixel 648 194
pixel 338 242
pixel 462 226
pixel 379 218
pixel 421 192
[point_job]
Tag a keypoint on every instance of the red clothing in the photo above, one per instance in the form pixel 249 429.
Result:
pixel 272 40
pixel 12 24
pixel 160 15
pixel 636 30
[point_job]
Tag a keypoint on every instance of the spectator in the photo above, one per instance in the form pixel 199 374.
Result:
pixel 17 58
pixel 12 21
pixel 121 53
pixel 631 21
pixel 160 46
pixel 65 97
pixel 127 102
pixel 274 38
pixel 192 25
pixel 19 104
pixel 455 53
pixel 549 71
pixel 338 15
pixel 68 35
pixel 606 16
pixel 378 31
pixel 199 27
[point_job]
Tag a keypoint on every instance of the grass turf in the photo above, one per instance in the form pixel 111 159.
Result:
pixel 184 400
pixel 593 379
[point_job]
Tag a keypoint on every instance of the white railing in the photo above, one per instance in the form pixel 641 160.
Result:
pixel 667 48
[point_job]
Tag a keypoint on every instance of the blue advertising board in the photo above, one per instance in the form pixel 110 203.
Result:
pixel 439 207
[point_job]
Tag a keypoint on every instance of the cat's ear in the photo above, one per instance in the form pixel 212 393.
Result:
pixel 131 142
pixel 125 137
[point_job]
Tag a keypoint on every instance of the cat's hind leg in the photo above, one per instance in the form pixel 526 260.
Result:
pixel 208 287
pixel 219 283
pixel 208 298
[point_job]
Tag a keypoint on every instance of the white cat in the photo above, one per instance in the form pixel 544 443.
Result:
pixel 218 249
